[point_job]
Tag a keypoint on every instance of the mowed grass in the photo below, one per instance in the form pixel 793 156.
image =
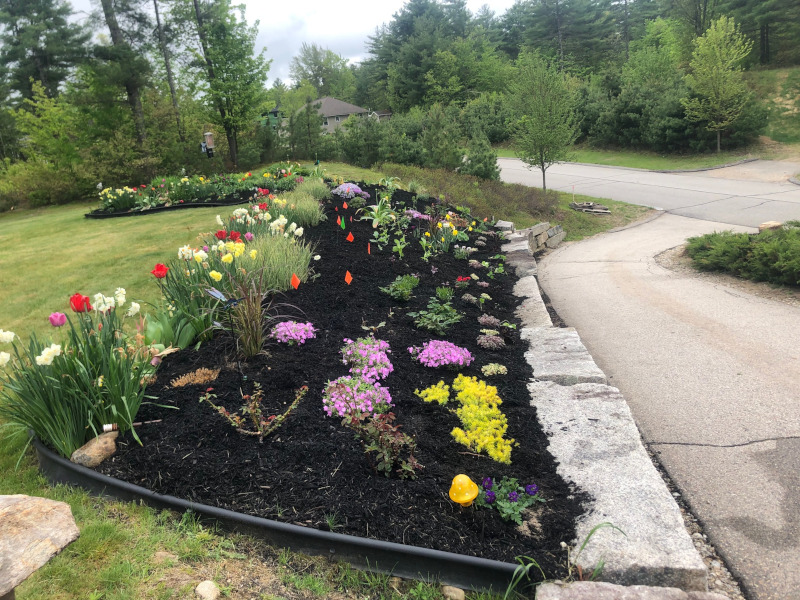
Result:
pixel 646 160
pixel 52 253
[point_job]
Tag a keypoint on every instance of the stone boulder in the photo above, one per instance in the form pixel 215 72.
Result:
pixel 96 450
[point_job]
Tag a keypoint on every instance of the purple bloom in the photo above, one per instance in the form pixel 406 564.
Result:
pixel 58 319
pixel 531 489
pixel 513 496
pixel 292 332
pixel 248 236
pixel 487 483
pixel 490 497
pixel 437 353
pixel 368 358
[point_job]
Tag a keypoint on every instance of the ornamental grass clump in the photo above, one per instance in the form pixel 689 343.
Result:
pixel 484 425
pixel 438 353
pixel 367 358
pixel 348 394
pixel 66 392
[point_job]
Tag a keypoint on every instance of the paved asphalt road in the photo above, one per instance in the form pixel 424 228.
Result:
pixel 702 195
pixel 711 373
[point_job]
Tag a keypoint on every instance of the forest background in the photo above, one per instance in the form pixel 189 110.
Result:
pixel 128 95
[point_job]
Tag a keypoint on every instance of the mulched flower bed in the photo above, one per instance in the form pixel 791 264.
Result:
pixel 229 200
pixel 312 469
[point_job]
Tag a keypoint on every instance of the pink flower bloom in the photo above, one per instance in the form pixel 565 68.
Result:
pixel 58 319
pixel 248 236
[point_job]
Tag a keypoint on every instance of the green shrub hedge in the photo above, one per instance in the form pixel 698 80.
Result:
pixel 772 255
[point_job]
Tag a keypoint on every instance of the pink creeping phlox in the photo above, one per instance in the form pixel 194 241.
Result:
pixel 437 353
pixel 292 332
pixel 368 358
pixel 348 394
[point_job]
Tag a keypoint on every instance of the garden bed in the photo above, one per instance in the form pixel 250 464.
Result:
pixel 311 472
pixel 230 200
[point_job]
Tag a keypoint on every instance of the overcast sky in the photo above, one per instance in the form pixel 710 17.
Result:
pixel 341 25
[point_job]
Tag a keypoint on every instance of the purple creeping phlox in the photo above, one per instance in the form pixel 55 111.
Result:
pixel 348 394
pixel 437 353
pixel 415 214
pixel 292 332
pixel 367 358
pixel 349 190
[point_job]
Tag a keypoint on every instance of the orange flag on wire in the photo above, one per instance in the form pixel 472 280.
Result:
pixel 344 205
pixel 348 278
pixel 351 219
pixel 350 237
pixel 338 220
pixel 295 281
pixel 368 249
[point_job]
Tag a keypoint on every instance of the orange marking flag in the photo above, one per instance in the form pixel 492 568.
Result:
pixel 348 278
pixel 368 249
pixel 295 281
pixel 350 237
pixel 338 220
pixel 344 205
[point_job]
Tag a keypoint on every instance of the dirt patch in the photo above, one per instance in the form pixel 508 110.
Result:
pixel 675 259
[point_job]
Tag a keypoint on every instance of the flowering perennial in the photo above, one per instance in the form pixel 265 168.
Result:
pixel 437 353
pixel 349 190
pixel 484 425
pixel 347 394
pixel 292 332
pixel 367 358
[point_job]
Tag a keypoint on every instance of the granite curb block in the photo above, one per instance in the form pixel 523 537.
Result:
pixel 597 445
pixel 557 354
pixel 598 448
pixel 596 590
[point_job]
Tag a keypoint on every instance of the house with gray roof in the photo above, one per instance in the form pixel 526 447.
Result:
pixel 335 112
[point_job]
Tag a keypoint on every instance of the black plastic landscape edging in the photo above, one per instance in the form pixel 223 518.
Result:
pixel 156 209
pixel 411 562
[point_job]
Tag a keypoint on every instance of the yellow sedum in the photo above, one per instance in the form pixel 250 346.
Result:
pixel 484 425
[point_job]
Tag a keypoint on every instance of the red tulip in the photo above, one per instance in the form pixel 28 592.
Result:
pixel 221 234
pixel 235 236
pixel 159 272
pixel 80 303
pixel 263 205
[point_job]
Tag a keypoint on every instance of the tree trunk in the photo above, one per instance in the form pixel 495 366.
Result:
pixel 170 80
pixel 132 90
pixel 719 135
pixel 544 182
pixel 560 38
pixel 230 134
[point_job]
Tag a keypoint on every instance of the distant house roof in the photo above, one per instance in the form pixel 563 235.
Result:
pixel 331 107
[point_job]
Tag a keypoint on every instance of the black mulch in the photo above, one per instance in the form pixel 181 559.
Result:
pixel 312 467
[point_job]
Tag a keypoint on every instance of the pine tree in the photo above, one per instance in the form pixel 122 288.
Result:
pixel 38 43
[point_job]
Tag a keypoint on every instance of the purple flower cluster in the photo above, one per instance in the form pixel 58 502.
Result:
pixel 367 358
pixel 490 497
pixel 437 353
pixel 513 496
pixel 532 489
pixel 415 214
pixel 348 394
pixel 349 190
pixel 292 332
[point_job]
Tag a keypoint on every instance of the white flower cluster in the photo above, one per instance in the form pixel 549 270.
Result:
pixel 6 337
pixel 48 354
pixel 133 309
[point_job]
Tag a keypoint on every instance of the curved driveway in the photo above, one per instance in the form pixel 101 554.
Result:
pixel 712 374
pixel 702 195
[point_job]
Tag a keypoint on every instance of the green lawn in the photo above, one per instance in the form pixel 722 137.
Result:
pixel 645 160
pixel 50 254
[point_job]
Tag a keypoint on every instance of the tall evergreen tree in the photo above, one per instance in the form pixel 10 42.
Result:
pixel 166 54
pixel 39 43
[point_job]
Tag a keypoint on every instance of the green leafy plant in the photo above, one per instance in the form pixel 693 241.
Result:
pixel 252 413
pixel 508 497
pixel 401 288
pixel 437 317
pixel 390 450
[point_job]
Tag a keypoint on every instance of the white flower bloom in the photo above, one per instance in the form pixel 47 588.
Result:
pixel 240 213
pixel 6 337
pixel 185 252
pixel 298 232
pixel 4 358
pixel 133 309
pixel 103 303
pixel 219 221
pixel 48 354
pixel 119 296
pixel 200 256
pixel 317 257
pixel 292 227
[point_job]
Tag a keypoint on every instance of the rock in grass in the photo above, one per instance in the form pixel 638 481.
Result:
pixel 96 450
pixel 207 590
pixel 452 593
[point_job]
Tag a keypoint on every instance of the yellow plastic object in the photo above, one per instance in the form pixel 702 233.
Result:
pixel 463 491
